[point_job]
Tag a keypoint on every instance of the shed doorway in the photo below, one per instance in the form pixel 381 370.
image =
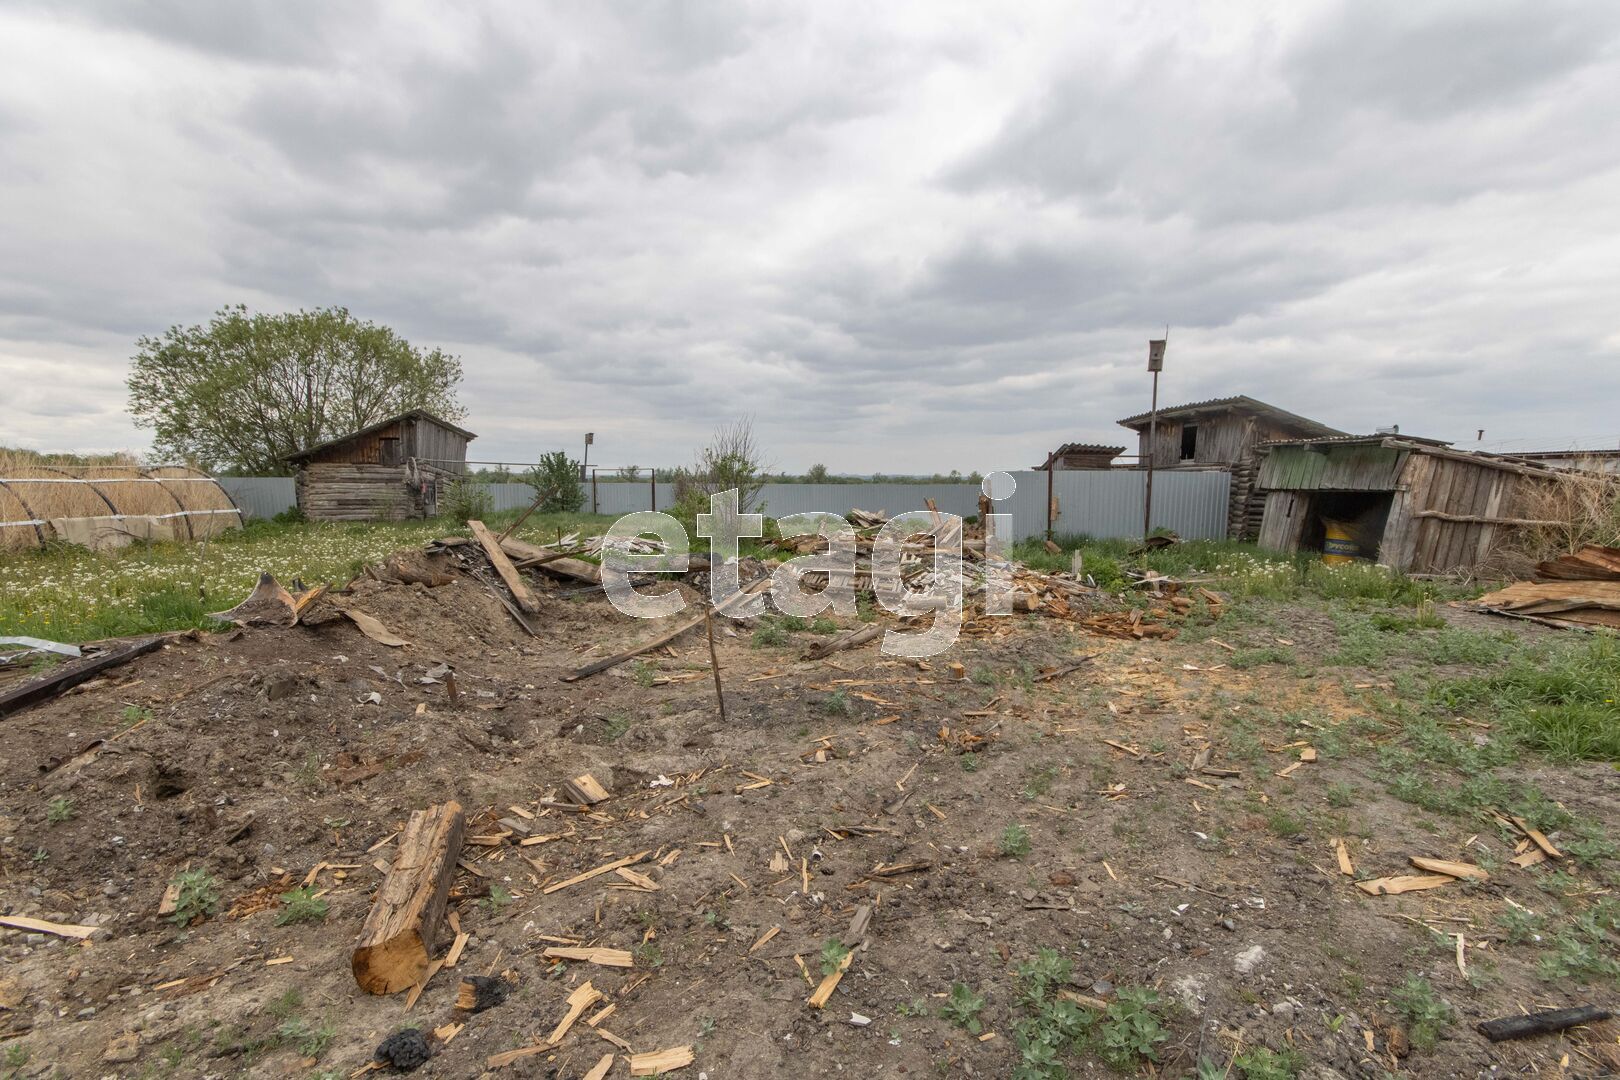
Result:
pixel 1365 512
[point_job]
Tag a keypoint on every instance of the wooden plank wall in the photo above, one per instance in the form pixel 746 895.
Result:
pixel 1426 545
pixel 441 447
pixel 341 492
pixel 1284 521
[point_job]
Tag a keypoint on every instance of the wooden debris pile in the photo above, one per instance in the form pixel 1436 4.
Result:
pixel 1582 589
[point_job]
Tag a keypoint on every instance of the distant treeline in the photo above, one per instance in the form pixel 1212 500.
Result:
pixel 635 474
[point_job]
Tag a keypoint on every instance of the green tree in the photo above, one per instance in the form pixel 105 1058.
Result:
pixel 243 392
pixel 816 474
pixel 556 483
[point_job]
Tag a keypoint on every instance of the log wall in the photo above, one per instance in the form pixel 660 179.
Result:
pixel 329 491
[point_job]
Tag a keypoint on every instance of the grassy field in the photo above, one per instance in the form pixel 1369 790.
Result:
pixel 66 593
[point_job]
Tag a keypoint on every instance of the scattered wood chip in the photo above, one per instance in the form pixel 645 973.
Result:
pixel 1451 869
pixel 830 983
pixel 763 938
pixel 1538 839
pixel 67 930
pixel 606 868
pixel 1346 867
pixel 661 1061
pixel 618 958
pixel 585 790
pixel 1392 886
pixel 600 1069
pixel 584 996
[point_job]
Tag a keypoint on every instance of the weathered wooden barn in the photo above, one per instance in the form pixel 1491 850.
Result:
pixel 1081 456
pixel 392 470
pixel 1412 504
pixel 1222 433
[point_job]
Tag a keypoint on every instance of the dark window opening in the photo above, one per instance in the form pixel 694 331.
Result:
pixel 388 452
pixel 1189 442
pixel 1364 513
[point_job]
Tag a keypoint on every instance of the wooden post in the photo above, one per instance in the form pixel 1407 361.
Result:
pixel 1049 498
pixel 395 945
pixel 1153 438
pixel 714 663
pixel 593 491
pixel 654 487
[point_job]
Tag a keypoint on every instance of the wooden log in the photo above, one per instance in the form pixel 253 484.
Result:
pixel 585 790
pixel 396 942
pixel 1541 1023
pixel 521 593
pixel 848 640
pixel 66 676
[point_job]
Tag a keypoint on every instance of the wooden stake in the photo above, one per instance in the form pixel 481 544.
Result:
pixel 714 663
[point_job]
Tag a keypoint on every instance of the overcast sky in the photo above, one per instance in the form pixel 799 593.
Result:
pixel 904 237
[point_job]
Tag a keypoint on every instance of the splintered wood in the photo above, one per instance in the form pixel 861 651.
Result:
pixel 661 1061
pixel 606 868
pixel 396 942
pixel 584 996
pixel 618 958
pixel 830 982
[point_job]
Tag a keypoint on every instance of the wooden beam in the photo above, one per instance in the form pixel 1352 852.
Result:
pixel 666 637
pixel 521 593
pixel 66 676
pixel 396 942
pixel 1483 519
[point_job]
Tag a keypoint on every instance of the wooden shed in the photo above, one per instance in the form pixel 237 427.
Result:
pixel 1222 433
pixel 1412 504
pixel 389 471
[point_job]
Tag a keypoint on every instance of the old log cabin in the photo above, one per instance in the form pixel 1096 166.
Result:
pixel 1222 433
pixel 392 470
pixel 1412 504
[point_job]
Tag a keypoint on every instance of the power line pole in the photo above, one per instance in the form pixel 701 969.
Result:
pixel 1155 365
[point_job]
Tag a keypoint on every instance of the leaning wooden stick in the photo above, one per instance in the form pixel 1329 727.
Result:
pixel 714 664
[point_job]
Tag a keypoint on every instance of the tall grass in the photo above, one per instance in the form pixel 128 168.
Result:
pixel 1561 698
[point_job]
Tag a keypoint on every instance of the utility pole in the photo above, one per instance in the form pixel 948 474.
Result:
pixel 590 437
pixel 1155 365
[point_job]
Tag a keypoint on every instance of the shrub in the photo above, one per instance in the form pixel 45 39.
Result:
pixel 1014 841
pixel 555 480
pixel 301 905
pixel 465 500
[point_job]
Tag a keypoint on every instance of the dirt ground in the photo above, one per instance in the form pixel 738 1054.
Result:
pixel 261 758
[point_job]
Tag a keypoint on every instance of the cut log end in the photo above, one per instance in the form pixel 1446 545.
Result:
pixel 388 967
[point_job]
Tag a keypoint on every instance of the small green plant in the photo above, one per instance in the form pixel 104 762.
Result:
pixel 962 1008
pixel 309 1040
pixel 1425 1014
pixel 835 703
pixel 134 714
pixel 16 1055
pixel 1014 841
pixel 706 1027
pixel 648 955
pixel 770 635
pixel 1340 795
pixel 499 898
pixel 791 623
pixel 984 676
pixel 285 1004
pixel 1521 925
pixel 823 625
pixel 1260 1063
pixel 302 905
pixel 969 762
pixel 196 896
pixel 1040 781
pixel 643 672
pixel 58 810
pixel 1130 1031
pixel 41 857
pixel 617 725
pixel 833 953
pixel 915 1007
pixel 1283 823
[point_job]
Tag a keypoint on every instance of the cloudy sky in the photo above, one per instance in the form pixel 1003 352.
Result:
pixel 904 237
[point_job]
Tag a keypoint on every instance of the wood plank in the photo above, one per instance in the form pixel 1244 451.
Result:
pixel 659 1062
pixel 66 676
pixel 598 666
pixel 618 958
pixel 521 593
pixel 606 868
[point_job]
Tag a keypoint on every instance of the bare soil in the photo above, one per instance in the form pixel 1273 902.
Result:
pixel 260 758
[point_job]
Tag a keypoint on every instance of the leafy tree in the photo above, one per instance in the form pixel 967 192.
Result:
pixel 816 474
pixel 556 483
pixel 248 389
pixel 630 472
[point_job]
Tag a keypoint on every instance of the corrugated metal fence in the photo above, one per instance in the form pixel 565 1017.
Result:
pixel 260 496
pixel 1101 503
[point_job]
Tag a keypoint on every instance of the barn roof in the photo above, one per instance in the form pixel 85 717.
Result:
pixel 411 414
pixel 1081 448
pixel 1240 403
pixel 1417 444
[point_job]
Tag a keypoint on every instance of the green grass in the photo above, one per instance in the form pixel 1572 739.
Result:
pixel 1560 698
pixel 66 593
pixel 962 1008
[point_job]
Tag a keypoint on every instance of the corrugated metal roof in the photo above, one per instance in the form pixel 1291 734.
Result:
pixel 1305 424
pixel 412 414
